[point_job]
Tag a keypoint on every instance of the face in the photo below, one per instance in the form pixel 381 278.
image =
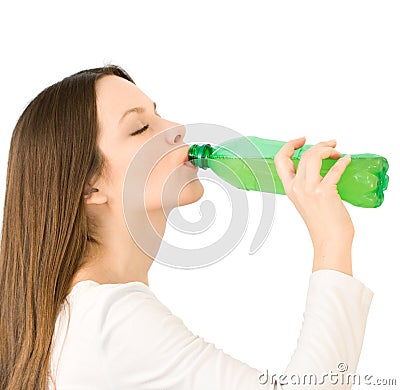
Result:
pixel 155 157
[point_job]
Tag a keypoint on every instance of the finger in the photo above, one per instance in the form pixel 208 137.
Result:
pixel 309 167
pixel 301 171
pixel 334 174
pixel 283 162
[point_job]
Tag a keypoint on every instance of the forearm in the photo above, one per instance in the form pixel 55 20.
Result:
pixel 333 254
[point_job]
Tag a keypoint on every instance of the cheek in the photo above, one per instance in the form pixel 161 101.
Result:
pixel 160 173
pixel 162 183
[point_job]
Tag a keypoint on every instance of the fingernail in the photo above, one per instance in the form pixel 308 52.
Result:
pixel 347 156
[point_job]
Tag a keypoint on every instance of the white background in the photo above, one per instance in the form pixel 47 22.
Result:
pixel 277 70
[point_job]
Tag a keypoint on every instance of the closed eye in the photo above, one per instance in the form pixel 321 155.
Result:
pixel 144 128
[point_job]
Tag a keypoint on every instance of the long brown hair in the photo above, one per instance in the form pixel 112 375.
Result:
pixel 53 156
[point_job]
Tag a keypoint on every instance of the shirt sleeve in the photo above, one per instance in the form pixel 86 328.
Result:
pixel 332 333
pixel 145 346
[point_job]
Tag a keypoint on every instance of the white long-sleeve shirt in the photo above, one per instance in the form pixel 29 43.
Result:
pixel 120 337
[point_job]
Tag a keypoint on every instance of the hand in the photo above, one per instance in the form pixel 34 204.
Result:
pixel 316 198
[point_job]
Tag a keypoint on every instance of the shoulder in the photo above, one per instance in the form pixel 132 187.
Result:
pixel 91 296
pixel 112 307
pixel 129 326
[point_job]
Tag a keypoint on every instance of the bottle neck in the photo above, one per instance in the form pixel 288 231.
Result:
pixel 198 155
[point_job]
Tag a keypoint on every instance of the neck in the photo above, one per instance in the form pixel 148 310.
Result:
pixel 124 256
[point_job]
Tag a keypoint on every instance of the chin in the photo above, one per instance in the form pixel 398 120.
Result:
pixel 191 193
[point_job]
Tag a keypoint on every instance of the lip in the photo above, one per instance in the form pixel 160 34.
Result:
pixel 190 165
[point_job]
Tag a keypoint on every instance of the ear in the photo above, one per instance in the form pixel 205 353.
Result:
pixel 94 196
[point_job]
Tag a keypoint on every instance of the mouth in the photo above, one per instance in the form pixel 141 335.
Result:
pixel 190 165
pixel 186 161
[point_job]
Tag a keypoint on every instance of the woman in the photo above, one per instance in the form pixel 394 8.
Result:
pixel 76 306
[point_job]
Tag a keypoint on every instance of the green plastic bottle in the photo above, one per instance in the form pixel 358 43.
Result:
pixel 248 163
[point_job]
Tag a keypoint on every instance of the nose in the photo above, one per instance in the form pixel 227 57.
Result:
pixel 175 133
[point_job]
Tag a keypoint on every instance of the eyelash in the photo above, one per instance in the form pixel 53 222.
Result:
pixel 144 128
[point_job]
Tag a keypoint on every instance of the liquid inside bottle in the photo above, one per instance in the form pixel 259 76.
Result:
pixel 248 163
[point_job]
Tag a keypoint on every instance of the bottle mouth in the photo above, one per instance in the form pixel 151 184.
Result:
pixel 198 155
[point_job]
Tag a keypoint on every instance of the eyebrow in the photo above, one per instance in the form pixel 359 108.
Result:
pixel 139 110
